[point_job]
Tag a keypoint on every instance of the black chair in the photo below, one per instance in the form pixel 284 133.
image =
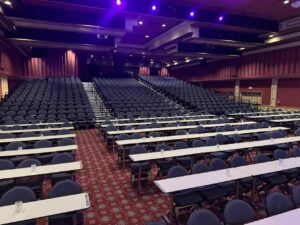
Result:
pixel 271 179
pixel 45 158
pixel 16 194
pixel 164 164
pixel 238 212
pixel 65 188
pixel 277 203
pixel 5 185
pixel 61 158
pixel 34 183
pixel 145 166
pixel 186 198
pixel 296 195
pixel 203 217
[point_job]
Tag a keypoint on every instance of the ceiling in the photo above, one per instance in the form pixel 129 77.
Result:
pixel 169 36
pixel 268 9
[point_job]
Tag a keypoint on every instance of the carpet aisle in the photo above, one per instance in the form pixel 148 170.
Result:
pixel 114 201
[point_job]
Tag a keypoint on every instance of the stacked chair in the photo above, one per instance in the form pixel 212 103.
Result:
pixel 194 97
pixel 127 97
pixel 52 100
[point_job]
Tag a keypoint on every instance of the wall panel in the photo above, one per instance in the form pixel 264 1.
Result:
pixel 283 62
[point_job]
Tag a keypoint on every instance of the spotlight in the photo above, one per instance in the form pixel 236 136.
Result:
pixel 153 7
pixel 140 22
pixel 221 18
pixel 118 2
pixel 286 2
pixel 7 3
pixel 163 25
pixel 192 14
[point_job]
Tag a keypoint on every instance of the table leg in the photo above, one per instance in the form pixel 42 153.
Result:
pixel 139 176
pixel 237 189
pixel 253 187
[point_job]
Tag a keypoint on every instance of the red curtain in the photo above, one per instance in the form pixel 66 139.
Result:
pixel 144 70
pixel 58 63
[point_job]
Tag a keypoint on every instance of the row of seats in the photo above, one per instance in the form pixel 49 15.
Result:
pixel 48 100
pixel 128 96
pixel 195 97
pixel 238 211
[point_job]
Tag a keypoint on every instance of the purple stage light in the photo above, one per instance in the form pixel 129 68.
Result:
pixel 153 7
pixel 118 2
pixel 221 18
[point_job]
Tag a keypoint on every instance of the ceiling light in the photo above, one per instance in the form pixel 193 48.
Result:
pixel 271 35
pixel 146 36
pixel 7 2
pixel 130 55
pixel 140 22
pixel 286 2
pixel 175 63
pixel 153 7
pixel 163 25
pixel 192 14
pixel 118 2
pixel 221 18
pixel 242 48
pixel 143 53
pixel 187 60
pixel 200 58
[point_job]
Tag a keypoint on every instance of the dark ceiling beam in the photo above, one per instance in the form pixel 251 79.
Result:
pixel 79 28
pixel 49 44
pixel 204 55
pixel 231 43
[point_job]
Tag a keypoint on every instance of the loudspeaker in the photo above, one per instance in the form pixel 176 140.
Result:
pixel 203 62
pixel 39 52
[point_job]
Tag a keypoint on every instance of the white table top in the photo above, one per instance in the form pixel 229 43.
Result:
pixel 194 136
pixel 175 128
pixel 210 149
pixel 40 170
pixel 285 120
pixel 163 122
pixel 35 130
pixel 291 217
pixel 272 166
pixel 38 151
pixel 44 208
pixel 29 124
pixel 253 113
pixel 158 118
pixel 199 180
pixel 49 137
pixel 213 177
pixel 273 115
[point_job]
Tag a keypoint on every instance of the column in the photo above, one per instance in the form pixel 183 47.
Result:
pixel 274 88
pixel 237 90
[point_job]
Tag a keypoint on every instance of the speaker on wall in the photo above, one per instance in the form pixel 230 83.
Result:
pixel 39 52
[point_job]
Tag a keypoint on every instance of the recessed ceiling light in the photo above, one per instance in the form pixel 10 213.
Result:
pixel 130 55
pixel 141 22
pixel 163 25
pixel 242 48
pixel 200 58
pixel 146 36
pixel 187 60
pixel 143 53
pixel 271 35
pixel 286 2
pixel 7 2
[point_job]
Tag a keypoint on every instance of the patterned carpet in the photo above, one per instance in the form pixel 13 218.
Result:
pixel 114 201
